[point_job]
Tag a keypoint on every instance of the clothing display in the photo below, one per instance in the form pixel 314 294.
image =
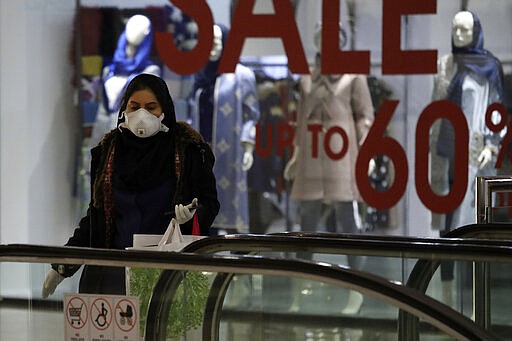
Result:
pixel 214 103
pixel 324 184
pixel 380 177
pixel 266 186
pixel 331 101
pixel 131 57
pixel 472 78
pixel 342 101
pixel 225 109
pixel 105 73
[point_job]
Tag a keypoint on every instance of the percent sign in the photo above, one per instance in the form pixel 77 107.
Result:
pixel 498 127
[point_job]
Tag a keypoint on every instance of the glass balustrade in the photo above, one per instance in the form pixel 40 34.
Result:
pixel 252 292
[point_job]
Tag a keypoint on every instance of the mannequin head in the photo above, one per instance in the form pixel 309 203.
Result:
pixel 137 27
pixel 462 29
pixel 191 40
pixel 208 74
pixel 133 49
pixel 217 44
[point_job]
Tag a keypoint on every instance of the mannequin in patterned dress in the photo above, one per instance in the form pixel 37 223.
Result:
pixel 225 110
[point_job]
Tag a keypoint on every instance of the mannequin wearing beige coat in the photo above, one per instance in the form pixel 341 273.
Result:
pixel 332 101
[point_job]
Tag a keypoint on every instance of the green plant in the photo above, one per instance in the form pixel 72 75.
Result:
pixel 187 308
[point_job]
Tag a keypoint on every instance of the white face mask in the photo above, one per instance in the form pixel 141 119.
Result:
pixel 142 123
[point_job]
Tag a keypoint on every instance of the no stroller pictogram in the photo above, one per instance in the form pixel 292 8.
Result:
pixel 125 315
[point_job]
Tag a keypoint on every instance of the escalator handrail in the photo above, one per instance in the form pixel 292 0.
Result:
pixel 479 231
pixel 438 314
pixel 423 270
pixel 345 244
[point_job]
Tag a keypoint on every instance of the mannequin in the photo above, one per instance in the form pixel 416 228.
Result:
pixel 225 108
pixel 130 59
pixel 332 101
pixel 472 78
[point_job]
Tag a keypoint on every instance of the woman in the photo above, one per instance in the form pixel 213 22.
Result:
pixel 142 173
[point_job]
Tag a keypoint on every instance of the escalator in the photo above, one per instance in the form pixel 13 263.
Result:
pixel 403 248
pixel 230 313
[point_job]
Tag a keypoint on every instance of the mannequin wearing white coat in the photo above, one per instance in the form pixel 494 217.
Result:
pixel 471 77
pixel 476 93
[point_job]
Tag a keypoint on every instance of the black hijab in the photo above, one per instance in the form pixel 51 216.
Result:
pixel 143 163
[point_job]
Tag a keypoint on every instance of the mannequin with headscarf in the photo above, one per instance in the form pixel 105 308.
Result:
pixel 225 110
pixel 323 185
pixel 131 58
pixel 471 77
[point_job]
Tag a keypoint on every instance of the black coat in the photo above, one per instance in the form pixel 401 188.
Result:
pixel 196 180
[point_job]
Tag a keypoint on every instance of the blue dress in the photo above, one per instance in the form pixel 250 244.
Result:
pixel 235 114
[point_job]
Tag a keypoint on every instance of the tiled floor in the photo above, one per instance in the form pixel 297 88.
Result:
pixel 19 324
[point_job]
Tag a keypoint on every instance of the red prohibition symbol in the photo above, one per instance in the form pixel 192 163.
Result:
pixel 126 315
pixel 101 314
pixel 76 313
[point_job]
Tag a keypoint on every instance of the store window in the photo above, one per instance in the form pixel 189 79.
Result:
pixel 353 116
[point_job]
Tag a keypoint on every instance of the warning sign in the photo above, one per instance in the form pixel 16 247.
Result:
pixel 126 317
pixel 101 313
pixel 76 313
pixel 101 317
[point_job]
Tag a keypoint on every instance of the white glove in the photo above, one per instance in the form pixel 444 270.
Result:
pixel 290 170
pixel 248 158
pixel 185 213
pixel 371 167
pixel 484 157
pixel 53 278
pixel 247 161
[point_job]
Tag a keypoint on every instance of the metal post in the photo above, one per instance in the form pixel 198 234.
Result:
pixel 485 187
